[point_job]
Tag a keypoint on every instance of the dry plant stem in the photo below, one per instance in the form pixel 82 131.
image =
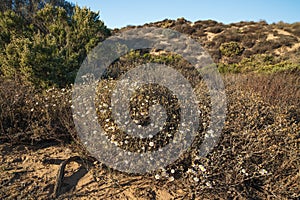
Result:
pixel 61 173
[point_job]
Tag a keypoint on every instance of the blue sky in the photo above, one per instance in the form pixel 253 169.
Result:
pixel 120 13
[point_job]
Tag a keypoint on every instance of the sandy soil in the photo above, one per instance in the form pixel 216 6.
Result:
pixel 30 173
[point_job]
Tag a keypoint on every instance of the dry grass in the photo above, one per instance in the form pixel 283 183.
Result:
pixel 257 156
pixel 29 116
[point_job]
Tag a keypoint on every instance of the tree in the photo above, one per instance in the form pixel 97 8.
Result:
pixel 49 48
pixel 28 7
pixel 5 5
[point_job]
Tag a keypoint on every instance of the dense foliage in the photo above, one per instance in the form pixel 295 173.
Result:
pixel 46 44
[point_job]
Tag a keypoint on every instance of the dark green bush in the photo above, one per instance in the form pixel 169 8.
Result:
pixel 49 48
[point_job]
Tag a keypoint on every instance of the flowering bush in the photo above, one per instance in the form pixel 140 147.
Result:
pixel 27 115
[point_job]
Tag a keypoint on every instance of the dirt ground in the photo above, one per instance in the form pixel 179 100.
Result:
pixel 30 173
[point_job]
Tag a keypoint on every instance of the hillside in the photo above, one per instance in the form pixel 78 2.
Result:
pixel 280 39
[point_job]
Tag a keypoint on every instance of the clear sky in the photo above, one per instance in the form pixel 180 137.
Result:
pixel 120 13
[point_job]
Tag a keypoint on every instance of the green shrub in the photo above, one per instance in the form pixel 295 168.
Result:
pixel 48 49
pixel 163 58
pixel 231 49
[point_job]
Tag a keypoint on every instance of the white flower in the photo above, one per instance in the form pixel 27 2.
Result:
pixel 244 172
pixel 172 171
pixel 191 171
pixel 208 184
pixel 151 144
pixel 105 105
pixel 202 168
pixel 196 179
pixel 263 171
pixel 157 176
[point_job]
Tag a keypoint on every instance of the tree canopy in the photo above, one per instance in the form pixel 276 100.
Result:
pixel 44 42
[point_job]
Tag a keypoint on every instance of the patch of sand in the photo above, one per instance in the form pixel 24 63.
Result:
pixel 283 50
pixel 271 37
pixel 27 172
pixel 210 36
pixel 282 32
